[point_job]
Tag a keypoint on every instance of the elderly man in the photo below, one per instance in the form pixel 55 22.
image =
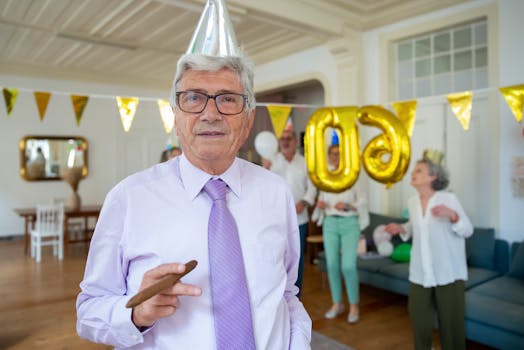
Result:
pixel 292 167
pixel 155 220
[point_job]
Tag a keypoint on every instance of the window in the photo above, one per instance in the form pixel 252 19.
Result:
pixel 442 62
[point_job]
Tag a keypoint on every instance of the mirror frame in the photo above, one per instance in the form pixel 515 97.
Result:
pixel 23 162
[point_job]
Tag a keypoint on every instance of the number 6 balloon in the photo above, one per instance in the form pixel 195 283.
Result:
pixel 386 157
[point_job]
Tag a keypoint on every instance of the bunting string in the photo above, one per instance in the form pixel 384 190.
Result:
pixel 460 103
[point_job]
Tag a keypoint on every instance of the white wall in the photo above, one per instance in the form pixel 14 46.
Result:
pixel 314 64
pixel 511 134
pixel 112 153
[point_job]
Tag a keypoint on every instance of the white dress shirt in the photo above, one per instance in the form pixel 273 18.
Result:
pixel 438 254
pixel 296 176
pixel 161 216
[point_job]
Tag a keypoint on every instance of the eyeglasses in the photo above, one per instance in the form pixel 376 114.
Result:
pixel 195 102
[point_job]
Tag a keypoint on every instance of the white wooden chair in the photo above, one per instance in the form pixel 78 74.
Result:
pixel 76 227
pixel 48 231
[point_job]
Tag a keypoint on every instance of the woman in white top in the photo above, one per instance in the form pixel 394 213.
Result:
pixel 341 231
pixel 437 269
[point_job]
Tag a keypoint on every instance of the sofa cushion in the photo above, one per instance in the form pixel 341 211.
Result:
pixel 495 313
pixel 373 264
pixel 480 248
pixel 477 276
pixel 516 268
pixel 397 270
pixel 502 288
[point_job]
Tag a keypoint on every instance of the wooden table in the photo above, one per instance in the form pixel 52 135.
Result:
pixel 86 212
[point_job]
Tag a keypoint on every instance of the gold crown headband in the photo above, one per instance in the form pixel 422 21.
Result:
pixel 434 156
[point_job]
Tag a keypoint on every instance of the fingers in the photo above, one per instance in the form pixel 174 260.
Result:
pixel 164 269
pixel 441 210
pixel 165 302
pixel 393 228
pixel 184 289
pixel 147 313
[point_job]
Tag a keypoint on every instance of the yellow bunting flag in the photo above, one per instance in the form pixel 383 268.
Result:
pixel 127 108
pixel 10 96
pixel 79 104
pixel 514 96
pixel 42 99
pixel 168 118
pixel 279 115
pixel 407 113
pixel 461 105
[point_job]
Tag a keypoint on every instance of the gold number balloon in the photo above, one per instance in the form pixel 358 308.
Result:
pixel 386 157
pixel 344 120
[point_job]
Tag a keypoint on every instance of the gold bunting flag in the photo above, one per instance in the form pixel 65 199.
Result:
pixel 10 96
pixel 127 108
pixel 42 100
pixel 168 118
pixel 461 105
pixel 79 104
pixel 514 96
pixel 279 115
pixel 406 112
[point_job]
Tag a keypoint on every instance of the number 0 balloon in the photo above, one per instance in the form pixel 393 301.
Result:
pixel 343 119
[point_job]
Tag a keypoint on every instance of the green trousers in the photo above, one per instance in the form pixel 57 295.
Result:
pixel 341 236
pixel 449 303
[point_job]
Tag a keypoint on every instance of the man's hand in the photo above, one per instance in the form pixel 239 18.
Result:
pixel 300 206
pixel 166 302
pixel 266 163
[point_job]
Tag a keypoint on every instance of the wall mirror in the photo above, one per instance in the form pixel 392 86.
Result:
pixel 45 157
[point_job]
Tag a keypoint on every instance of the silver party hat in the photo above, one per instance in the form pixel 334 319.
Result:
pixel 214 35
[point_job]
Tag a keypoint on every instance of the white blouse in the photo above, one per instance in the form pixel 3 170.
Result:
pixel 353 196
pixel 438 254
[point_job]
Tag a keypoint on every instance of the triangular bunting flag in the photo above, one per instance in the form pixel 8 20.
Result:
pixel 514 96
pixel 10 96
pixel 279 115
pixel 461 105
pixel 406 112
pixel 79 103
pixel 42 99
pixel 127 108
pixel 168 118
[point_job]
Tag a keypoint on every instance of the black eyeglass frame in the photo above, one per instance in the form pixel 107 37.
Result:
pixel 214 98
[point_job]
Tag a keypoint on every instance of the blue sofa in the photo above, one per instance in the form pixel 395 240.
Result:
pixel 494 296
pixel 495 308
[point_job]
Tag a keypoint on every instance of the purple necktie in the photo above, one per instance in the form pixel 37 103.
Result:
pixel 231 307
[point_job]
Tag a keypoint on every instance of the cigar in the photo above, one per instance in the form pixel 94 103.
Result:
pixel 159 286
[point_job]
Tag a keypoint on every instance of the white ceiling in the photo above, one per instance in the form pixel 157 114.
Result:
pixel 138 42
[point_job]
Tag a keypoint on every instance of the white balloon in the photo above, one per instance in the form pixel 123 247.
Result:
pixel 266 144
pixel 380 235
pixel 385 248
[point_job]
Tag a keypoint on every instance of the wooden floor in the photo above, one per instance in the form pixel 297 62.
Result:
pixel 37 306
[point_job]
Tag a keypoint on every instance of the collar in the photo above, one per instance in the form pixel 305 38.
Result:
pixel 193 179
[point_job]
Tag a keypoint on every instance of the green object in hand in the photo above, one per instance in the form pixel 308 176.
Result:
pixel 401 252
